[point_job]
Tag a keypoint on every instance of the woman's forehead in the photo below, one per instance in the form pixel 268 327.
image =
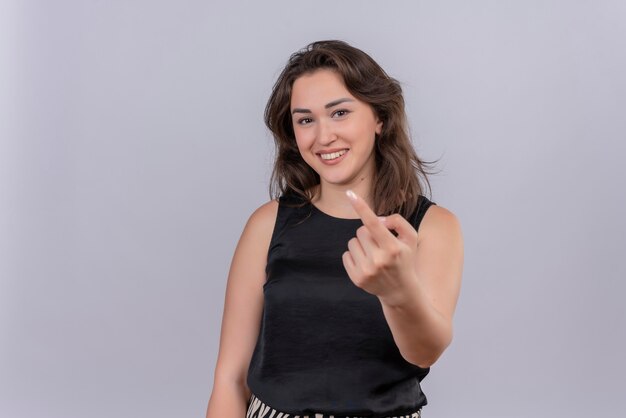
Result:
pixel 318 89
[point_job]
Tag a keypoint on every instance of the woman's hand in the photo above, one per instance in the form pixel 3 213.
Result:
pixel 379 262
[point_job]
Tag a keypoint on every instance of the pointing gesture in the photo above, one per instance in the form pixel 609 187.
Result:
pixel 377 261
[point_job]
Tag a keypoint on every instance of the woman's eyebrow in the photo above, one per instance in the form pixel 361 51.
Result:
pixel 331 104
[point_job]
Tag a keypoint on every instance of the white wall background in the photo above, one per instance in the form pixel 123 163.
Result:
pixel 132 151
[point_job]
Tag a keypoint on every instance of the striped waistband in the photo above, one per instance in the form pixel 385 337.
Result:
pixel 258 409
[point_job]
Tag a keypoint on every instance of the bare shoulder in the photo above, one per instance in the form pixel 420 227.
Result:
pixel 263 219
pixel 266 212
pixel 440 222
pixel 439 260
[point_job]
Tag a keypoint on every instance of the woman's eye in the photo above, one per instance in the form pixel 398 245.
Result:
pixel 345 112
pixel 303 120
pixel 340 112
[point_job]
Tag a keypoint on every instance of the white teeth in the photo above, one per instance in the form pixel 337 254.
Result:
pixel 333 155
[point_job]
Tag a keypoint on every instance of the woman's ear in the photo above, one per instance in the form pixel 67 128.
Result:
pixel 379 127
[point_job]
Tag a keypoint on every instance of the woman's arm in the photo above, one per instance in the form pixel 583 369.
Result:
pixel 421 320
pixel 241 319
pixel 227 400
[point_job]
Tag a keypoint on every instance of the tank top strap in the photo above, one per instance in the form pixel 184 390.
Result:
pixel 290 204
pixel 284 212
pixel 291 212
pixel 423 204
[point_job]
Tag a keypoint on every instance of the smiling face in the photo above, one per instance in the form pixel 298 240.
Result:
pixel 326 119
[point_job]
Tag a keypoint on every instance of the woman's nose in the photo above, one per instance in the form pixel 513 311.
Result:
pixel 325 132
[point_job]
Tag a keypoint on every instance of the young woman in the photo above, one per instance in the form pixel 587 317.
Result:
pixel 342 288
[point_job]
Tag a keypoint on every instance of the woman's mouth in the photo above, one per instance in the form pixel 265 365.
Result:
pixel 334 157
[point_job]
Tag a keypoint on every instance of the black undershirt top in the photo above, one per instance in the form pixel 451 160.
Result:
pixel 324 344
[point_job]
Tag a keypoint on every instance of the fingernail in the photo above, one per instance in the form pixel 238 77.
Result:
pixel 381 218
pixel 351 194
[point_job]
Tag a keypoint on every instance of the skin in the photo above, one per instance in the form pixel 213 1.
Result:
pixel 416 275
pixel 346 125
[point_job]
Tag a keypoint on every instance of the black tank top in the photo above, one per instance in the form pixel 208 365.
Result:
pixel 324 344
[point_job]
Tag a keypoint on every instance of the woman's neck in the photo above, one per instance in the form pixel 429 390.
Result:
pixel 333 200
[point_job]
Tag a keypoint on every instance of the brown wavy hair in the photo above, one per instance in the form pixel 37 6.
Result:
pixel 396 186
